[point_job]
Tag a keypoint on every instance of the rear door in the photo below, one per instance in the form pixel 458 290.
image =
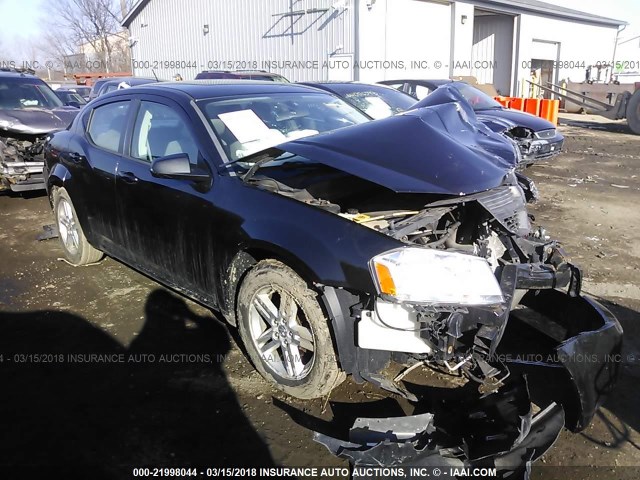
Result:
pixel 165 224
pixel 92 157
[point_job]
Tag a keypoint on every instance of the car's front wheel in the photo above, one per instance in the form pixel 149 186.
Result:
pixel 75 245
pixel 285 331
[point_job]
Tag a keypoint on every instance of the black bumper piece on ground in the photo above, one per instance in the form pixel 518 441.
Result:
pixel 495 431
pixel 570 349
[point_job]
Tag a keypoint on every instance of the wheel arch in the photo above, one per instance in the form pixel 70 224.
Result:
pixel 336 303
pixel 244 260
pixel 56 178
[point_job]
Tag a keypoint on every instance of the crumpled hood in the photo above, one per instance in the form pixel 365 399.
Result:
pixel 35 121
pixel 437 150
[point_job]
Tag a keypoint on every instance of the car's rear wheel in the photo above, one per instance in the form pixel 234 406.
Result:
pixel 285 331
pixel 75 245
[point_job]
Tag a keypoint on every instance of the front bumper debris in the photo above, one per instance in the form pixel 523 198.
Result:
pixel 569 346
pixel 497 431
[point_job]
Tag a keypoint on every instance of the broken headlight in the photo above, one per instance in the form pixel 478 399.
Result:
pixel 435 277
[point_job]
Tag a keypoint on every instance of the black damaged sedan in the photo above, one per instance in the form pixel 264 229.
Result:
pixel 342 246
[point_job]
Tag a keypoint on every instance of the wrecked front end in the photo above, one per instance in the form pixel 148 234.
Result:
pixel 470 274
pixel 23 133
pixel 533 144
pixel 21 161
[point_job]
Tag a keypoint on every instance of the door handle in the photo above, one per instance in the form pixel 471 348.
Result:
pixel 75 157
pixel 128 177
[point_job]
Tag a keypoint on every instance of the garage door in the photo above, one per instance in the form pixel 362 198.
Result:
pixel 418 30
pixel 493 48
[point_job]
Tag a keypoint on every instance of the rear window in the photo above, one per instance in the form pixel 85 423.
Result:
pixel 477 98
pixel 107 125
pixel 380 103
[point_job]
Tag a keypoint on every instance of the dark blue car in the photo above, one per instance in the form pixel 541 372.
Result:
pixel 342 246
pixel 536 137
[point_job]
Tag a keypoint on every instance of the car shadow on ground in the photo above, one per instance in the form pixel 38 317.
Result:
pixel 24 195
pixel 163 401
pixel 622 403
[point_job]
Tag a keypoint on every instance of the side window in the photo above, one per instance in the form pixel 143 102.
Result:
pixel 397 86
pixel 107 125
pixel 160 131
pixel 422 92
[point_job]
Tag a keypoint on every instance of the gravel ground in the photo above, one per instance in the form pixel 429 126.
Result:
pixel 171 386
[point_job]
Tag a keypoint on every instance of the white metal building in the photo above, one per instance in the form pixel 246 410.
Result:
pixel 497 41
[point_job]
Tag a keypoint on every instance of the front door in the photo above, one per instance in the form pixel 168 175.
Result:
pixel 165 224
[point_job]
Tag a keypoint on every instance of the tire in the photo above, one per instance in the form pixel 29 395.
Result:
pixel 75 245
pixel 633 113
pixel 297 356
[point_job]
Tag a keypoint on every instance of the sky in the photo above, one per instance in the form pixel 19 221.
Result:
pixel 24 20
pixel 20 20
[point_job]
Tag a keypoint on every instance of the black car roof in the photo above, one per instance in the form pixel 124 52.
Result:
pixel 129 80
pixel 201 89
pixel 350 86
pixel 419 81
pixel 17 74
pixel 245 72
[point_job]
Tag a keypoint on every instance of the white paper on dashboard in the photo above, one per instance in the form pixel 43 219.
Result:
pixel 272 138
pixel 245 125
pixel 378 108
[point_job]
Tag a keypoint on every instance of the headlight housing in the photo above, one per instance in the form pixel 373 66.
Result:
pixel 6 124
pixel 435 277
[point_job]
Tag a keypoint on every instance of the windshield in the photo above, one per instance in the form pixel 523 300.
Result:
pixel 477 98
pixel 248 124
pixel 19 94
pixel 380 103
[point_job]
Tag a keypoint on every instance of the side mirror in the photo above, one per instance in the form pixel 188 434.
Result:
pixel 178 167
pixel 73 104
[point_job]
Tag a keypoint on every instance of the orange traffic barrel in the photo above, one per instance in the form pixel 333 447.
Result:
pixel 532 106
pixel 517 103
pixel 549 110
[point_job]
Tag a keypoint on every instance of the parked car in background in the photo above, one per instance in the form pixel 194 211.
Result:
pixel 97 85
pixel 29 111
pixel 118 83
pixel 81 90
pixel 418 89
pixel 339 245
pixel 241 75
pixel 377 101
pixel 536 137
pixel 70 98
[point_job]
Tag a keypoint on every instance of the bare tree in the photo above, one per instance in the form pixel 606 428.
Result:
pixel 93 23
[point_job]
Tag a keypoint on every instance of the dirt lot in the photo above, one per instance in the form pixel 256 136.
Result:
pixel 171 386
